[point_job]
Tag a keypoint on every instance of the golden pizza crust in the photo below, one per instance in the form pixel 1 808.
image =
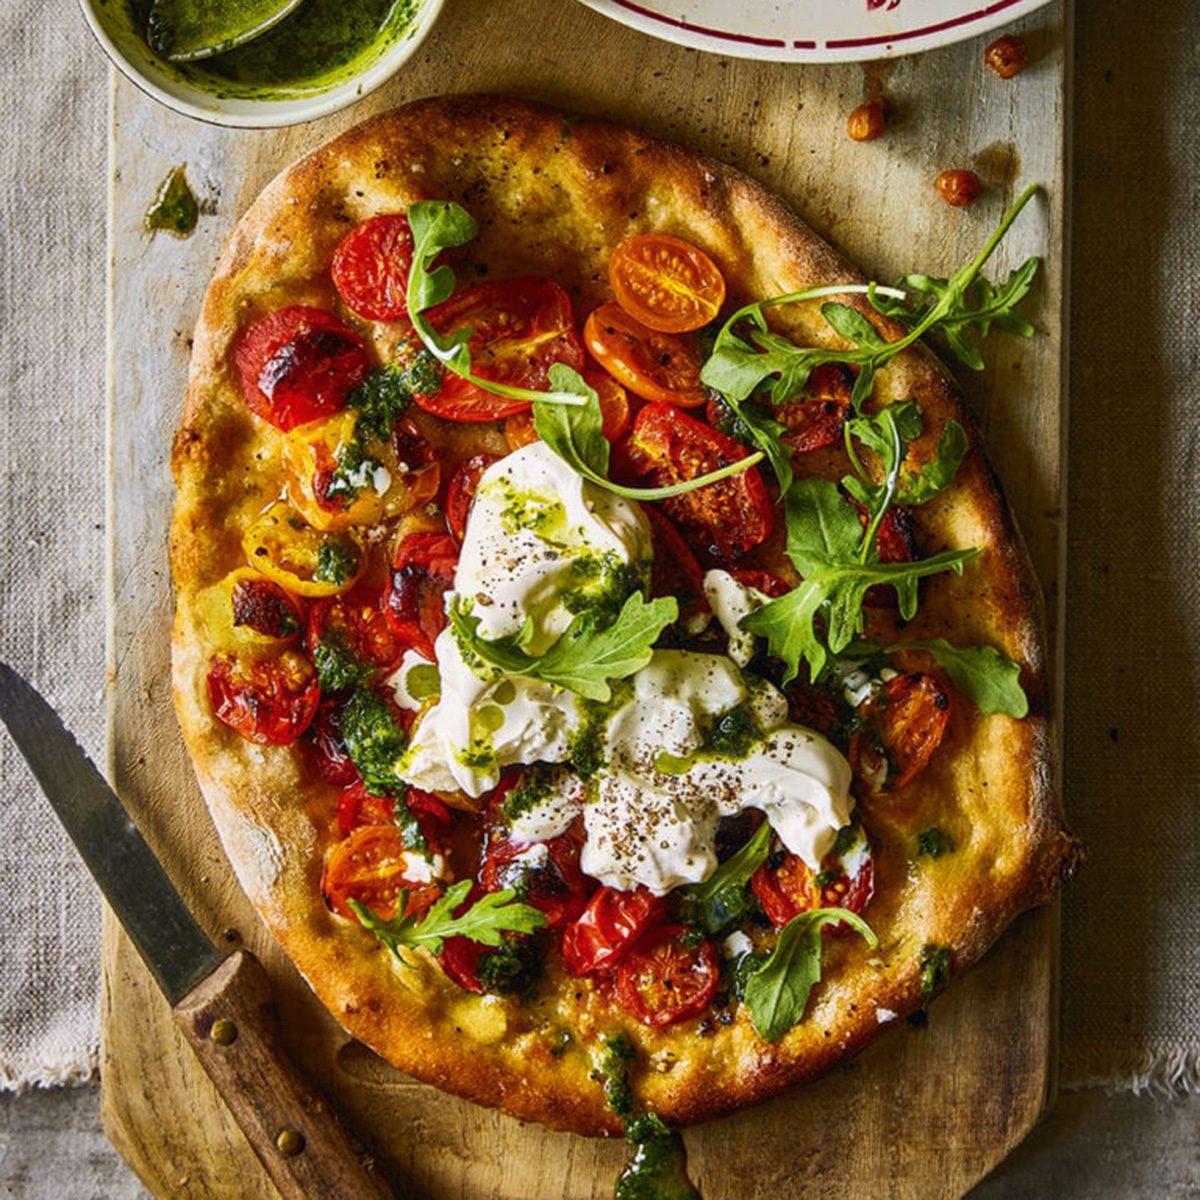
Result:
pixel 554 194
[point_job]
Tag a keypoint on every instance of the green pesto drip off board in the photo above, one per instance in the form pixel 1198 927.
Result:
pixel 175 209
pixel 319 45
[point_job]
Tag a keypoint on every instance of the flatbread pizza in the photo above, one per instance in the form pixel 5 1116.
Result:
pixel 609 661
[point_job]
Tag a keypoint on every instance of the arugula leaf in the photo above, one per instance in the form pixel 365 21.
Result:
pixel 721 898
pixel 439 225
pixel 989 678
pixel 576 435
pixel 585 658
pixel 836 587
pixel 820 525
pixel 739 366
pixel 485 921
pixel 888 433
pixel 777 993
pixel 917 487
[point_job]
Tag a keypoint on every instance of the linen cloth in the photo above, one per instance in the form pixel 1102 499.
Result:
pixel 1132 730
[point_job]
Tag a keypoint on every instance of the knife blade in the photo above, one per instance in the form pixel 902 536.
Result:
pixel 221 1002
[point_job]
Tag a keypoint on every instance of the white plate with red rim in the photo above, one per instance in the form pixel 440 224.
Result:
pixel 814 30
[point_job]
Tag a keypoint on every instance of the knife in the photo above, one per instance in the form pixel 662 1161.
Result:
pixel 221 1002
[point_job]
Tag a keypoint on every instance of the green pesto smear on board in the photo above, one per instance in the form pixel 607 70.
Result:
pixel 174 210
pixel 319 45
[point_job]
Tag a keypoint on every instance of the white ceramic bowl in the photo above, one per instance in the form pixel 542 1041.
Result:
pixel 114 29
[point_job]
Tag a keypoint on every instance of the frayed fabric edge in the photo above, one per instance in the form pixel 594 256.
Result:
pixel 1167 1075
pixel 71 1073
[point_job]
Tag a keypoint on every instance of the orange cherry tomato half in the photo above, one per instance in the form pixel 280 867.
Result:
pixel 786 886
pixel 901 726
pixel 370 268
pixel 662 367
pixel 614 413
pixel 357 623
pixel 612 921
pixel 461 491
pixel 368 866
pixel 661 980
pixel 299 363
pixel 422 572
pixel 724 519
pixel 271 701
pixel 519 329
pixel 665 283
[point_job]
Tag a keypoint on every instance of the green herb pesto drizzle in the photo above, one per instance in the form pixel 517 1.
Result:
pixel 175 209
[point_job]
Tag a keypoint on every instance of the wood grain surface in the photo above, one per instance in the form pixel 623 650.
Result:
pixel 921 1114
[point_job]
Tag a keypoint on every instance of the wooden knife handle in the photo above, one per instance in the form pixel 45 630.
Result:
pixel 231 1023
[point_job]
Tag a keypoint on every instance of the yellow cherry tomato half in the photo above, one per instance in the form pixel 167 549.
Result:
pixel 302 560
pixel 335 480
pixel 665 283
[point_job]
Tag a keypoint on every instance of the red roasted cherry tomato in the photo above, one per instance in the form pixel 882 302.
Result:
pixel 614 413
pixel 422 573
pixel 370 268
pixel 815 420
pixel 900 727
pixel 299 363
pixel 665 283
pixel 520 329
pixel 894 543
pixel 271 701
pixel 661 367
pixel 612 921
pixel 761 581
pixel 675 571
pixel 545 874
pixel 262 605
pixel 368 866
pixel 661 981
pixel 724 519
pixel 785 886
pixel 330 756
pixel 357 806
pixel 355 622
pixel 461 492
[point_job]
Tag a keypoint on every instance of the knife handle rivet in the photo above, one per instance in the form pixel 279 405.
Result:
pixel 224 1032
pixel 290 1142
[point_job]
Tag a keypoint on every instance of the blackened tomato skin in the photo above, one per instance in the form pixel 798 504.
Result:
pixel 299 363
pixel 422 572
pixel 663 980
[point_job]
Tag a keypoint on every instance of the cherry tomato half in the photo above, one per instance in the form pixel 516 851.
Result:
pixel 665 283
pixel 663 367
pixel 815 421
pixel 519 329
pixel 370 268
pixel 330 756
pixel 262 606
pixel 724 519
pixel 612 921
pixel 661 981
pixel 422 573
pixel 614 413
pixel 333 490
pixel 901 726
pixel 299 558
pixel 762 581
pixel 461 491
pixel 356 621
pixel 675 571
pixel 299 363
pixel 786 886
pixel 357 807
pixel 271 701
pixel 545 874
pixel 368 866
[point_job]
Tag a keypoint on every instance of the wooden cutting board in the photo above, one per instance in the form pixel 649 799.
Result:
pixel 922 1114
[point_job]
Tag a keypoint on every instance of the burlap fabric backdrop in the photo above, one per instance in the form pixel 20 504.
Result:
pixel 1131 960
